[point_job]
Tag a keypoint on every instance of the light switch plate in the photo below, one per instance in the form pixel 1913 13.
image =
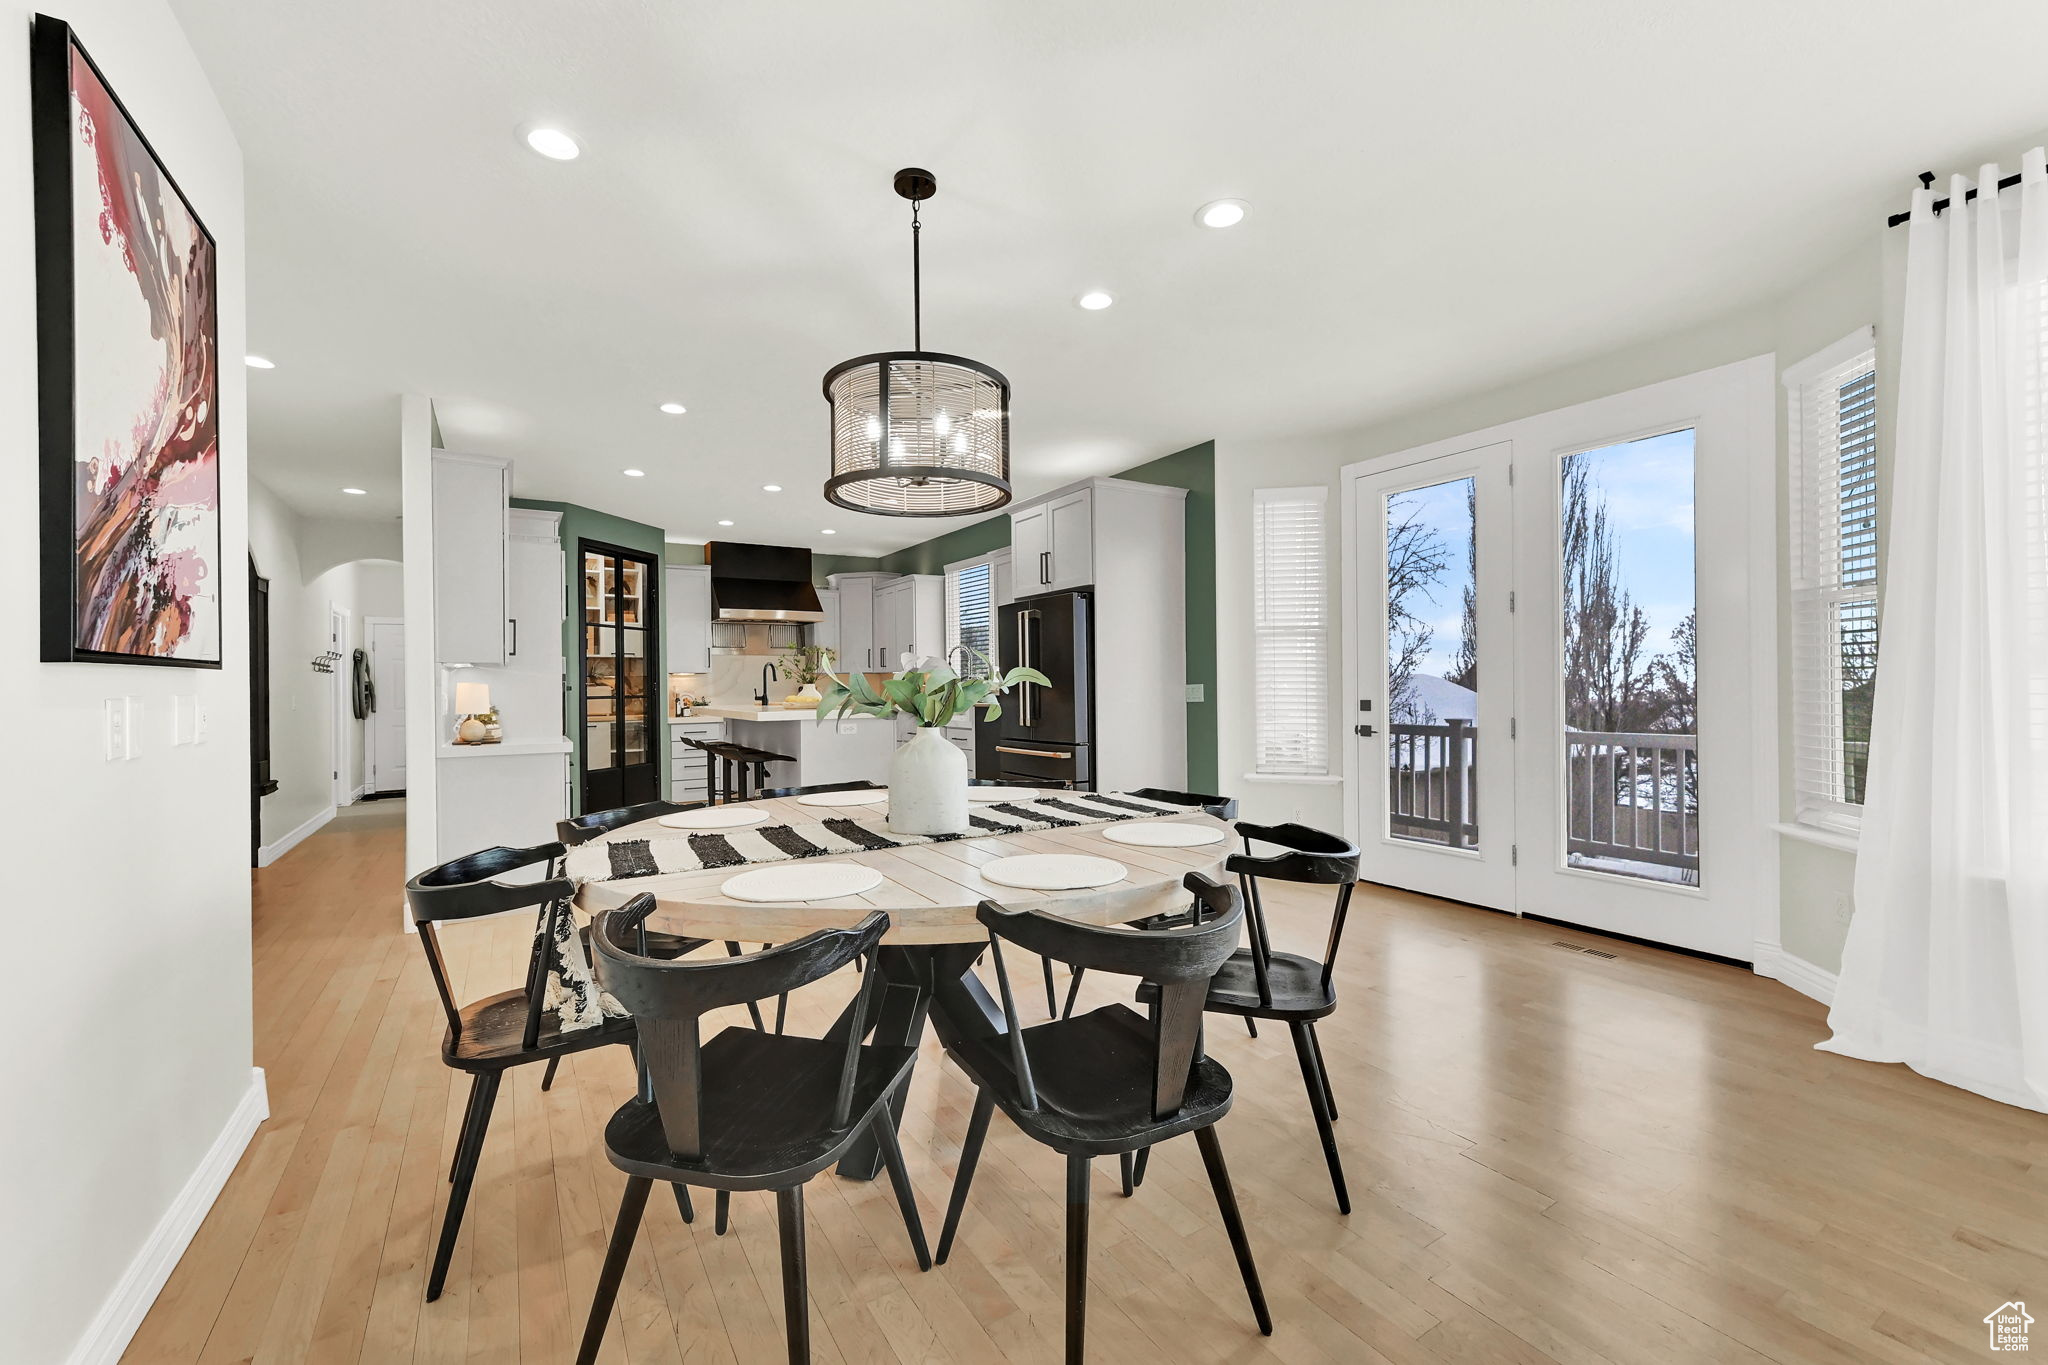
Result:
pixel 1195 691
pixel 132 737
pixel 184 718
pixel 116 728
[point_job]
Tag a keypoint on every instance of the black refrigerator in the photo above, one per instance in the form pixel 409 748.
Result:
pixel 1045 737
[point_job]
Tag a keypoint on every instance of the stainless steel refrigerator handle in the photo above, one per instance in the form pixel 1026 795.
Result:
pixel 1034 753
pixel 1030 696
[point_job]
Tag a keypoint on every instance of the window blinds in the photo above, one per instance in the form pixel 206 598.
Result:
pixel 1832 420
pixel 1291 659
pixel 970 614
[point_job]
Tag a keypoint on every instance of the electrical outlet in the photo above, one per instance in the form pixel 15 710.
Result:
pixel 847 727
pixel 1843 909
pixel 1195 691
pixel 198 721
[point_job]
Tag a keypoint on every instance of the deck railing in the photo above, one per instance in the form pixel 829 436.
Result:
pixel 1629 797
pixel 1633 797
pixel 1433 783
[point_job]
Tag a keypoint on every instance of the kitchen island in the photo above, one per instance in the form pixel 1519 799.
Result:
pixel 856 748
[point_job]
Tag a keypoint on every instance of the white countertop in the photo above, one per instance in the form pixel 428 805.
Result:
pixel 505 749
pixel 756 713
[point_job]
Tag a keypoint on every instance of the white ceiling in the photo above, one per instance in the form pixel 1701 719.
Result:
pixel 1442 195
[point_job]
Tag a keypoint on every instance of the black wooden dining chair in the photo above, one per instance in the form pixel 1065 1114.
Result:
pixel 1221 807
pixel 489 1037
pixel 1260 983
pixel 773 792
pixel 745 1110
pixel 581 829
pixel 1106 1083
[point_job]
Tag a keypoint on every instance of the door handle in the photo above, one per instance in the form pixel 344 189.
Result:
pixel 1035 753
pixel 1362 731
pixel 513 622
pixel 1044 567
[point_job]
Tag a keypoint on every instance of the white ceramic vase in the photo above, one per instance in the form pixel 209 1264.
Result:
pixel 928 785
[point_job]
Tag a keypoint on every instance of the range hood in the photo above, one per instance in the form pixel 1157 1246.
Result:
pixel 761 583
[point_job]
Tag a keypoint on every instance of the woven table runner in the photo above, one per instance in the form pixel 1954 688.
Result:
pixel 619 859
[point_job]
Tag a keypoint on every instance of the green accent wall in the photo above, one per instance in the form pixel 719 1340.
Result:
pixel 1193 469
pixel 586 523
pixel 932 556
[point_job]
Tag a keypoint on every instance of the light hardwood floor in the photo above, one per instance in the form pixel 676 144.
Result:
pixel 1553 1157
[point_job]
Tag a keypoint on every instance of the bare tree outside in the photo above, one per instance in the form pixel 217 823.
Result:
pixel 1416 559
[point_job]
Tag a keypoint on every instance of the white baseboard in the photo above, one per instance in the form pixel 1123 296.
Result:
pixel 1817 983
pixel 123 1310
pixel 270 853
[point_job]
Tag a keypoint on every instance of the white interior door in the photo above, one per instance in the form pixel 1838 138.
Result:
pixel 385 732
pixel 1621 557
pixel 1435 697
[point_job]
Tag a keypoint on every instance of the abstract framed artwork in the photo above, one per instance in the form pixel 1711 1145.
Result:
pixel 128 385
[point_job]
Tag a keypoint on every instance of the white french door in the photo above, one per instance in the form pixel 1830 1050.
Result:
pixel 1558 629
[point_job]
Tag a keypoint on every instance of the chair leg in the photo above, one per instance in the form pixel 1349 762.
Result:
pixel 1128 1168
pixel 721 1212
pixel 630 1208
pixel 1322 1070
pixel 1138 1167
pixel 796 1298
pixel 547 1079
pixel 465 1175
pixel 1251 1026
pixel 732 949
pixel 1312 1077
pixel 1077 1259
pixel 683 1204
pixel 1073 992
pixel 476 1085
pixel 899 1176
pixel 1052 999
pixel 1233 1223
pixel 970 1153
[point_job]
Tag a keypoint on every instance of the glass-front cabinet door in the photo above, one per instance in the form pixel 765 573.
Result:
pixel 621 765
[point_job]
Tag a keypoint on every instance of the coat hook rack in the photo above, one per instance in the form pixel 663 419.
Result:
pixel 326 662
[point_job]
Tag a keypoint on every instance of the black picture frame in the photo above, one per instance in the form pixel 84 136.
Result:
pixel 51 45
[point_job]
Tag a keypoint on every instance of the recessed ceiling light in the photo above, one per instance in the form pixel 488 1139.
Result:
pixel 553 143
pixel 257 362
pixel 771 488
pixel 829 532
pixel 1221 213
pixel 357 492
pixel 634 473
pixel 1095 300
pixel 725 523
pixel 674 409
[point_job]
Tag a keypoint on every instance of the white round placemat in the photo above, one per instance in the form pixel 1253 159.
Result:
pixel 1160 834
pixel 715 817
pixel 1002 793
pixel 1052 871
pixel 802 882
pixel 858 797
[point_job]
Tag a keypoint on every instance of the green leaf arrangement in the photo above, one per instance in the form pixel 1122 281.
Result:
pixel 932 696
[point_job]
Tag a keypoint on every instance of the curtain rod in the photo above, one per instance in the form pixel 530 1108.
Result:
pixel 1927 180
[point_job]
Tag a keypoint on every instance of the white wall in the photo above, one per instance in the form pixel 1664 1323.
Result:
pixel 131 1062
pixel 363 588
pixel 1845 295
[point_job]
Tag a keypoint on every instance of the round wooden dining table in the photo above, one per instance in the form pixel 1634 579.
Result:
pixel 930 892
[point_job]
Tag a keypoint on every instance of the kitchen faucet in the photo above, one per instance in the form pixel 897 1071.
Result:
pixel 767 672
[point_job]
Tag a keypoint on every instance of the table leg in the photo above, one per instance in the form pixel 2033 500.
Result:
pixel 918 979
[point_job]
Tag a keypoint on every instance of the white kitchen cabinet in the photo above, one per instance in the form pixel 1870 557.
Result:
pixel 472 618
pixel 856 624
pixel 1052 544
pixel 825 633
pixel 689 768
pixel 686 617
pixel 910 618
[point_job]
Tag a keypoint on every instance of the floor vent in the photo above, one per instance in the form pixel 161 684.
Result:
pixel 1580 948
pixel 1595 952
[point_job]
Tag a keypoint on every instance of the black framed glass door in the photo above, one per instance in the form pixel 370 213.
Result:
pixel 620 641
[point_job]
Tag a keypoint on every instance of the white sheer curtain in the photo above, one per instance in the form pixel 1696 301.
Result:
pixel 1946 966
